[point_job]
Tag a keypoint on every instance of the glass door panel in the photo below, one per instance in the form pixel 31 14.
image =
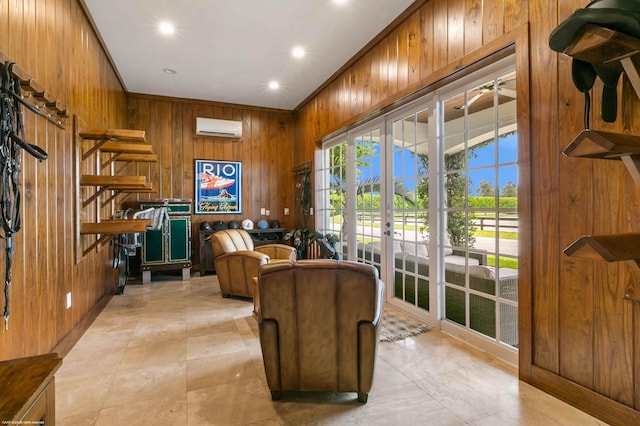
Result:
pixel 479 177
pixel 368 204
pixel 410 210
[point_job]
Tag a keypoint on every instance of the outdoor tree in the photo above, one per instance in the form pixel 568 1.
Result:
pixel 485 189
pixel 460 227
pixel 367 190
pixel 509 190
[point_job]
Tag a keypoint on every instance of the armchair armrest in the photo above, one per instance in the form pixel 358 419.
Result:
pixel 244 253
pixel 278 251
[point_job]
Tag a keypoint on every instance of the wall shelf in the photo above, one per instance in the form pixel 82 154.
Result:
pixel 109 146
pixel 114 227
pixel 603 145
pixel 127 135
pixel 599 45
pixel 619 51
pixel 611 248
pixel 608 146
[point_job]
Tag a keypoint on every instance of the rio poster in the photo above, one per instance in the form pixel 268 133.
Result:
pixel 218 187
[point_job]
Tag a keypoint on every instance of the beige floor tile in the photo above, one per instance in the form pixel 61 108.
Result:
pixel 132 386
pixel 85 419
pixel 239 403
pixel 154 353
pixel 177 352
pixel 81 396
pixel 214 344
pixel 167 411
pixel 221 369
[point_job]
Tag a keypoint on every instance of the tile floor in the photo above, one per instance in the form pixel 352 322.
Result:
pixel 176 353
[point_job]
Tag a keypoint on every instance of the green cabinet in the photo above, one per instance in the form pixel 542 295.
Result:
pixel 170 246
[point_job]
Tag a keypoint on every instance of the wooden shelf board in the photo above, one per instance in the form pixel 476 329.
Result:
pixel 113 134
pixel 128 148
pixel 114 182
pixel 138 158
pixel 601 45
pixel 603 145
pixel 113 227
pixel 612 248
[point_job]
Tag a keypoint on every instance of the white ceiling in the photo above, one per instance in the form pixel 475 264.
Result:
pixel 229 50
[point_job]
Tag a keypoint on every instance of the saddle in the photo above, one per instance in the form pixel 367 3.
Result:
pixel 618 15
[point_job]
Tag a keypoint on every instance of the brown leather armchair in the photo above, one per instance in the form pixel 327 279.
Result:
pixel 319 323
pixel 237 260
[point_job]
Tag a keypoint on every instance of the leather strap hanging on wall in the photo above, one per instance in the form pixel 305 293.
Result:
pixel 12 140
pixel 303 188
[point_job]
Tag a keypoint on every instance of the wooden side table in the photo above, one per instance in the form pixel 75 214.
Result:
pixel 27 394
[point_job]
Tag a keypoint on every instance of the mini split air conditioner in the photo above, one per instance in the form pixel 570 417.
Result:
pixel 215 127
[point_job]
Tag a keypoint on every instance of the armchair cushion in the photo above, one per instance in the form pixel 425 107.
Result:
pixel 278 252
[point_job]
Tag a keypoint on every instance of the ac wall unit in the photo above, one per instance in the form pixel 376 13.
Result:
pixel 215 127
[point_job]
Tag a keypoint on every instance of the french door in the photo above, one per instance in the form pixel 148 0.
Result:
pixel 352 200
pixel 428 195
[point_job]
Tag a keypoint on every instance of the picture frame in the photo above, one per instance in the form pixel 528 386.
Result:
pixel 218 187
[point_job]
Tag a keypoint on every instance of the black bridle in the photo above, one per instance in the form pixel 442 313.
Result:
pixel 12 140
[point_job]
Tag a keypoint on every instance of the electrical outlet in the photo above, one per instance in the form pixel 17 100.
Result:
pixel 286 211
pixel 311 211
pixel 268 212
pixel 262 211
pixel 68 300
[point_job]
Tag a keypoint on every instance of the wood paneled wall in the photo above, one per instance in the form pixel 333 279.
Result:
pixel 266 153
pixel 53 41
pixel 579 338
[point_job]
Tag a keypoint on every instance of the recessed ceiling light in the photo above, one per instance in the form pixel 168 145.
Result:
pixel 298 52
pixel 166 28
pixel 274 85
pixel 170 71
pixel 340 2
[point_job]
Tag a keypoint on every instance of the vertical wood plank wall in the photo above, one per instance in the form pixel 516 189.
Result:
pixel 579 338
pixel 53 41
pixel 266 153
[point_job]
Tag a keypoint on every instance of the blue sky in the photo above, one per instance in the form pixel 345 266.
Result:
pixel 481 165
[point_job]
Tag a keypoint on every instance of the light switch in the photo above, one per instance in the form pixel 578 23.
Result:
pixel 286 211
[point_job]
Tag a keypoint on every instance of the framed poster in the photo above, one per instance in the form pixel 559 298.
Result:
pixel 218 187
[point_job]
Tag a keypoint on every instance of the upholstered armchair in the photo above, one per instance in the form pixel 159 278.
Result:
pixel 319 324
pixel 237 260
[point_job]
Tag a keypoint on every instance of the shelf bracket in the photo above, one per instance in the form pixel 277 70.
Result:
pixel 632 74
pixel 110 160
pixel 102 239
pixel 93 197
pixel 94 149
pixel 115 195
pixel 632 162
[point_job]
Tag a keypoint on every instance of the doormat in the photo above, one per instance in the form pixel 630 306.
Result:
pixel 397 327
